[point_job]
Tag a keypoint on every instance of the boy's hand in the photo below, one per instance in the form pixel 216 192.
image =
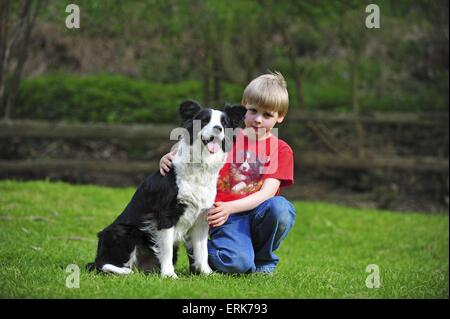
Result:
pixel 166 163
pixel 218 215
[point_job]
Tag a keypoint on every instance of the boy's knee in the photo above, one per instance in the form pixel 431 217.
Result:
pixel 281 211
pixel 229 262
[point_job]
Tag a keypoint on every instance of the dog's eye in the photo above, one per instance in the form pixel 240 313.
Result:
pixel 206 120
pixel 224 121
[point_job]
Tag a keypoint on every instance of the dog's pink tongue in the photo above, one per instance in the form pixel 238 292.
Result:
pixel 213 147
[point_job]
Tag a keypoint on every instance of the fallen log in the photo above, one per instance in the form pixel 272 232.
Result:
pixel 305 160
pixel 417 164
pixel 41 129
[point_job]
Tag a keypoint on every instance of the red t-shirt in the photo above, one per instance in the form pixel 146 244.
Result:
pixel 250 162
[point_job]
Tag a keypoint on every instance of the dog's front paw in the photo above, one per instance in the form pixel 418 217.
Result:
pixel 171 275
pixel 205 270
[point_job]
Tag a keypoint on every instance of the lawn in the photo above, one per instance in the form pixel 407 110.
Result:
pixel 45 226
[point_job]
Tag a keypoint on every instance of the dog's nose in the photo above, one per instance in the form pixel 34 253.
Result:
pixel 218 128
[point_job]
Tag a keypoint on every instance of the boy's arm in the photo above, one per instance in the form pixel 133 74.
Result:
pixel 268 189
pixel 219 214
pixel 174 147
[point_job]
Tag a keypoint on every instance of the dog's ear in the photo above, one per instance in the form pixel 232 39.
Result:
pixel 188 109
pixel 236 115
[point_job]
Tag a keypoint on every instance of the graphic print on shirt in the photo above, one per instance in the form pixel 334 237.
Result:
pixel 246 175
pixel 250 163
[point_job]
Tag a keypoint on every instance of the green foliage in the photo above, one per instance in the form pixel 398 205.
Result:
pixel 107 98
pixel 401 67
pixel 118 99
pixel 46 226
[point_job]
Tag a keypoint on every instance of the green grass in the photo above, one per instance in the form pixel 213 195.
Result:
pixel 45 226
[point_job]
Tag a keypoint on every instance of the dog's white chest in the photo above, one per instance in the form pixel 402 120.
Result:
pixel 197 190
pixel 196 178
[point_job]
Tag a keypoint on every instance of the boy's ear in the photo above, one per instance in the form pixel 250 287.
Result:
pixel 188 109
pixel 236 114
pixel 280 119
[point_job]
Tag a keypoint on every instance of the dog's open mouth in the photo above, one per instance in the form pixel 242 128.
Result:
pixel 212 144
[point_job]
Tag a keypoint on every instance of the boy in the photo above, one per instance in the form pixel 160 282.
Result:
pixel 248 220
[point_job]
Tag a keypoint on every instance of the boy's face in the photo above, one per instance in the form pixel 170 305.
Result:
pixel 260 119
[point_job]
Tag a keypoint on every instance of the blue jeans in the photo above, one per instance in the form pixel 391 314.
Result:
pixel 247 241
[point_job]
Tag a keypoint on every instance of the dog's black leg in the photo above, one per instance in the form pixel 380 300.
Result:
pixel 115 246
pixel 90 267
pixel 175 254
pixel 190 254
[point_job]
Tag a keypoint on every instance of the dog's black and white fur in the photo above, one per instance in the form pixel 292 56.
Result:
pixel 167 209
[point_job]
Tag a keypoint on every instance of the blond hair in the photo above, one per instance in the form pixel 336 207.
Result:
pixel 269 92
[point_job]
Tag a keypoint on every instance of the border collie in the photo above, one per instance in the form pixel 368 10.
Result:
pixel 167 209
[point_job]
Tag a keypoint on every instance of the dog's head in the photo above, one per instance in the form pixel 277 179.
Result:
pixel 213 127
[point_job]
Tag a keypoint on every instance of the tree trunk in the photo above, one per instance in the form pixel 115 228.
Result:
pixel 298 86
pixel 360 133
pixel 30 19
pixel 248 74
pixel 217 62
pixel 206 77
pixel 5 47
pixel 295 70
pixel 4 20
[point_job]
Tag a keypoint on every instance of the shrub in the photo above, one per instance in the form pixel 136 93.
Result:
pixel 107 98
